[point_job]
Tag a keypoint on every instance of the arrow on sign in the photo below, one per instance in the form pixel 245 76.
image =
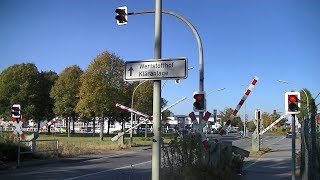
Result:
pixel 131 69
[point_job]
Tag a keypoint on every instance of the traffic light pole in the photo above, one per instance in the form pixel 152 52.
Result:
pixel 200 49
pixel 293 168
pixel 157 83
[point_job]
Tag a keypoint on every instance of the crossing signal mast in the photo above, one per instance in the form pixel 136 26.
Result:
pixel 292 102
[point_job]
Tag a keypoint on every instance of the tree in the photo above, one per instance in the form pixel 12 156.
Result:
pixel 304 104
pixel 20 84
pixel 237 122
pixel 143 100
pixel 65 93
pixel 225 115
pixel 45 106
pixel 102 86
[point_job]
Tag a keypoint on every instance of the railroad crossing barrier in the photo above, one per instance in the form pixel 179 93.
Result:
pixel 235 111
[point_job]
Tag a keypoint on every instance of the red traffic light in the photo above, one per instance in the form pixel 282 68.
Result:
pixel 198 97
pixel 292 98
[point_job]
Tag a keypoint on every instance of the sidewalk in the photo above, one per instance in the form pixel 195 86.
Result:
pixel 275 164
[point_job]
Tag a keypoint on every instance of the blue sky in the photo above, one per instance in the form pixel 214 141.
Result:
pixel 274 39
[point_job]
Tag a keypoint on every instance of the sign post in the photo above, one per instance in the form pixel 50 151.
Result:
pixel 156 69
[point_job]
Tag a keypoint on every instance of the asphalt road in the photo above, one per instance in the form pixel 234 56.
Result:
pixel 132 164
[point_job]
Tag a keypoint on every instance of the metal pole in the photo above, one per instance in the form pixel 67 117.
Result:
pixel 131 136
pixel 200 49
pixel 156 154
pixel 293 147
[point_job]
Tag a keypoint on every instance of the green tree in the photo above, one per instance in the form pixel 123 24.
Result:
pixel 20 84
pixel 251 126
pixel 225 115
pixel 47 80
pixel 102 86
pixel 65 93
pixel 304 104
pixel 143 99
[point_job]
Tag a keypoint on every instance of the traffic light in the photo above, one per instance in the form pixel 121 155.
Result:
pixel 199 101
pixel 292 102
pixel 122 15
pixel 15 111
pixel 257 114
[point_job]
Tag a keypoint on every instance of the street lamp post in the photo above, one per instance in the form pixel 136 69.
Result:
pixel 131 138
pixel 217 90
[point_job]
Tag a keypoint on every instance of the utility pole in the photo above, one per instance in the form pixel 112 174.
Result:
pixel 156 151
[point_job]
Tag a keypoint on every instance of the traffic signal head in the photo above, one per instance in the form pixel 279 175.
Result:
pixel 292 102
pixel 257 114
pixel 15 111
pixel 122 15
pixel 199 101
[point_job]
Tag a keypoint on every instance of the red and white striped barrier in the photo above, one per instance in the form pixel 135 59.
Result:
pixel 48 124
pixel 235 111
pixel 132 110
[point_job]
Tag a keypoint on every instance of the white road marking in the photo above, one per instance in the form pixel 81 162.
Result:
pixel 108 170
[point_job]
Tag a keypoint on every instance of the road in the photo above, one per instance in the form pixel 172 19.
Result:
pixel 120 165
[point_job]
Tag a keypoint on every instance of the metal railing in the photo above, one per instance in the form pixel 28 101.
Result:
pixel 32 144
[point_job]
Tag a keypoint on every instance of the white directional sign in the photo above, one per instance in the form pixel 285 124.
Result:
pixel 156 69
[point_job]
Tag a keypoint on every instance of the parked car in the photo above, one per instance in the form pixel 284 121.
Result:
pixel 289 134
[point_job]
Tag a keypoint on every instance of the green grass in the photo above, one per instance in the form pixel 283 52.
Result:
pixel 78 144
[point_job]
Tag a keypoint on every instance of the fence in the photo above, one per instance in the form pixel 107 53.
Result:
pixel 32 144
pixel 310 149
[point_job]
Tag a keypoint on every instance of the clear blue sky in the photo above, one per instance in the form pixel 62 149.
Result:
pixel 274 39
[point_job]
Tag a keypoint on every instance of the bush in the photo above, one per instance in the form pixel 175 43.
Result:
pixel 184 159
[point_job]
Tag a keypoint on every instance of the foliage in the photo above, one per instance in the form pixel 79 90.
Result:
pixel 102 86
pixel 183 159
pixel 144 98
pixel 225 115
pixel 251 126
pixel 65 91
pixel 23 84
pixel 237 122
pixel 47 80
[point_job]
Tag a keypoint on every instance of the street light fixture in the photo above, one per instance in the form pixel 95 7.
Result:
pixel 132 108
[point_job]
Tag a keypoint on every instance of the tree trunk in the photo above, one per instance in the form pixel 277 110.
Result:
pixel 108 126
pixel 68 126
pixel 73 118
pixel 94 126
pixel 101 128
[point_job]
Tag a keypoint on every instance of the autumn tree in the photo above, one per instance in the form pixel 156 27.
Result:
pixel 225 115
pixel 102 86
pixel 65 93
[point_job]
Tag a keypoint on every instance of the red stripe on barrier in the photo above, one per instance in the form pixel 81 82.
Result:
pixel 235 112
pixel 254 82
pixel 207 116
pixel 241 102
pixel 222 132
pixel 248 92
pixel 192 116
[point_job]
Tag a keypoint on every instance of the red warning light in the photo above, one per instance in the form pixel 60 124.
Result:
pixel 292 98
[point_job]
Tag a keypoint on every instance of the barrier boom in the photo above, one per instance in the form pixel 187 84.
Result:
pixel 272 124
